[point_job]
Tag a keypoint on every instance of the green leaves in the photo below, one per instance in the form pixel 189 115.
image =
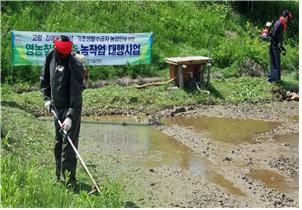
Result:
pixel 241 89
pixel 179 28
pixel 27 176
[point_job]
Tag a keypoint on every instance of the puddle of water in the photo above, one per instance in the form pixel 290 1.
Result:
pixel 291 139
pixel 109 118
pixel 275 180
pixel 145 146
pixel 139 120
pixel 151 147
pixel 294 117
pixel 221 181
pixel 232 131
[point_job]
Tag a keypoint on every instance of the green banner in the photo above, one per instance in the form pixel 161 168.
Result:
pixel 30 48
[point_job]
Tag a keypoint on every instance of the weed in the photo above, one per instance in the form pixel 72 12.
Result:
pixel 234 36
pixel 27 174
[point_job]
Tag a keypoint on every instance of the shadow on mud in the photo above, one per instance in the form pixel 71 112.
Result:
pixel 23 108
pixel 83 187
pixel 88 189
pixel 215 92
pixel 130 204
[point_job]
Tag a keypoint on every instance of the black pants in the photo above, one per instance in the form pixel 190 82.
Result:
pixel 65 156
pixel 275 64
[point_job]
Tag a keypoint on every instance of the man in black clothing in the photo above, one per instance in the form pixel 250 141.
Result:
pixel 61 85
pixel 276 46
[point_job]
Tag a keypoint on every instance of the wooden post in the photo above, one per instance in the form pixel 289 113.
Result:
pixel 201 73
pixel 180 76
pixel 175 72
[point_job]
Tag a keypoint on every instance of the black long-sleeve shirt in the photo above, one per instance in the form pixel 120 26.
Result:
pixel 277 33
pixel 62 82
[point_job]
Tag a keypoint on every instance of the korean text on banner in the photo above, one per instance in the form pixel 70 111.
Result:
pixel 30 48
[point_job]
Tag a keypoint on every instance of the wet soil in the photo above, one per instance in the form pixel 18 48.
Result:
pixel 264 165
pixel 243 155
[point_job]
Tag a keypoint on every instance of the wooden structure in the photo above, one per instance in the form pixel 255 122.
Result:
pixel 187 68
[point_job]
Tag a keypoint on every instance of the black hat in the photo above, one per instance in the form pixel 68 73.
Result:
pixel 64 38
pixel 287 13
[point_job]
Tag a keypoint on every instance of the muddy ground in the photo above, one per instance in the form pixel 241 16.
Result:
pixel 244 172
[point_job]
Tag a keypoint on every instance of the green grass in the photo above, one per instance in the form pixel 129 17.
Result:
pixel 27 169
pixel 243 89
pixel 151 99
pixel 130 98
pixel 290 82
pixel 26 185
pixel 234 37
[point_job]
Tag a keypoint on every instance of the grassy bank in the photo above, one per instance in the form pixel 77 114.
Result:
pixel 179 29
pixel 27 169
pixel 151 99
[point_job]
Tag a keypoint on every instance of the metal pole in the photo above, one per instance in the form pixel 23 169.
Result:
pixel 209 63
pixel 12 59
pixel 76 151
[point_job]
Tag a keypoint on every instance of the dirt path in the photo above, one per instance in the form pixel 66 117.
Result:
pixel 236 172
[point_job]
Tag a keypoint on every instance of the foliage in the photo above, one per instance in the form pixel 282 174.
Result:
pixel 25 186
pixel 150 99
pixel 27 172
pixel 243 89
pixel 262 11
pixel 291 82
pixel 234 37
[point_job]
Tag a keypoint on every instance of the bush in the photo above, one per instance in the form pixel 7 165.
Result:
pixel 234 34
pixel 27 172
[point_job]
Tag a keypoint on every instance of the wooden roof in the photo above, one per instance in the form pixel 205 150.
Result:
pixel 187 60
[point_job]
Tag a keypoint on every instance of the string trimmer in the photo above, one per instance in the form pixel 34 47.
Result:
pixel 95 188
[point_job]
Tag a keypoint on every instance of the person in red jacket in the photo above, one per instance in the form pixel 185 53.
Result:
pixel 62 85
pixel 276 46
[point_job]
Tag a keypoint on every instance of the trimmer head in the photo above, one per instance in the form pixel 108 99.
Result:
pixel 94 190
